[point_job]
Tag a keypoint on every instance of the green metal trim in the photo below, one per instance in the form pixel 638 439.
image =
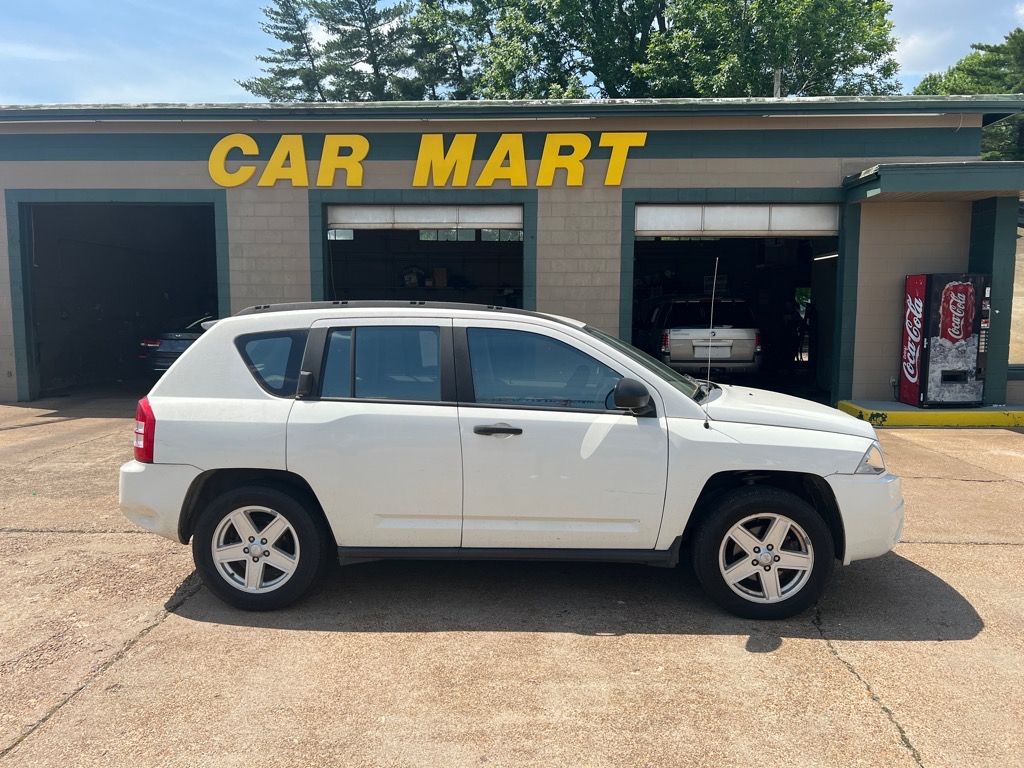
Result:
pixel 993 250
pixel 470 110
pixel 808 142
pixel 19 249
pixel 977 176
pixel 319 199
pixel 847 271
pixel 1015 373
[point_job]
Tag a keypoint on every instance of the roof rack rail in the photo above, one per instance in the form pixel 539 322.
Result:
pixel 382 304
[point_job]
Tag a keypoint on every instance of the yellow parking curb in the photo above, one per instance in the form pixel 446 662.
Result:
pixel 898 415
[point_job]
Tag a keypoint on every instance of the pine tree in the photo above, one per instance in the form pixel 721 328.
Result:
pixel 988 68
pixel 298 71
pixel 369 50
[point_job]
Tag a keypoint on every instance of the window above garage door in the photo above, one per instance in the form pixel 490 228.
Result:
pixel 424 217
pixel 738 220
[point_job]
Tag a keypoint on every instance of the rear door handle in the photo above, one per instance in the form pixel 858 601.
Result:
pixel 496 429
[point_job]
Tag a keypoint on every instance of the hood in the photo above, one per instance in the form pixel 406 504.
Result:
pixel 759 406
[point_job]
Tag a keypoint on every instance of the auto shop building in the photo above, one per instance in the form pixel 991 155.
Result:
pixel 121 221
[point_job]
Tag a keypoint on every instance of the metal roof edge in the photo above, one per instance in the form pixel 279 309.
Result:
pixel 876 171
pixel 998 104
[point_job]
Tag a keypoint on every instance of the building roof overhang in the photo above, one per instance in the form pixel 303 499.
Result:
pixel 971 180
pixel 992 108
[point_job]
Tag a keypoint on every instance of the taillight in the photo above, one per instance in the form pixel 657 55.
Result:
pixel 150 343
pixel 757 342
pixel 145 430
pixel 664 343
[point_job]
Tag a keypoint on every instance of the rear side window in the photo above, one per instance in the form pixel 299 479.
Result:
pixel 274 359
pixel 391 363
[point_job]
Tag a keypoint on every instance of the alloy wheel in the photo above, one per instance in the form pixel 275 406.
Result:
pixel 766 558
pixel 255 549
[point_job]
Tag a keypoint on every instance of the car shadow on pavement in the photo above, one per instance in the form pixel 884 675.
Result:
pixel 889 598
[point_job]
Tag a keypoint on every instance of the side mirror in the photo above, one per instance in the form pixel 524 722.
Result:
pixel 631 395
pixel 304 386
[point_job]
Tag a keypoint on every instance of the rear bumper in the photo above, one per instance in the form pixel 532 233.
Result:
pixel 872 510
pixel 152 495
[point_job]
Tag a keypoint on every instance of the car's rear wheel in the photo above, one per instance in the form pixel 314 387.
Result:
pixel 763 553
pixel 259 548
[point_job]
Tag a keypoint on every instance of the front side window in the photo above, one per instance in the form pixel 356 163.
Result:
pixel 391 363
pixel 274 359
pixel 529 370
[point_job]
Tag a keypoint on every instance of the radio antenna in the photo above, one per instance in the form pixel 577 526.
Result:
pixel 711 334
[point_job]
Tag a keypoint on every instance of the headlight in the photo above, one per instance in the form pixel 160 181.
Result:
pixel 873 463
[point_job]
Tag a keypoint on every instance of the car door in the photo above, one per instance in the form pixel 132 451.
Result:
pixel 548 462
pixel 378 441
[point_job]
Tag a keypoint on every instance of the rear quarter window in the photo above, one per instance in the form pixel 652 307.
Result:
pixel 273 358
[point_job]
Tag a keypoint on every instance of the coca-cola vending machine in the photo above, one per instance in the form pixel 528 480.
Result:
pixel 945 339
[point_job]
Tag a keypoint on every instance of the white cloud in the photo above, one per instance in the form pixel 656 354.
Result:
pixel 925 52
pixel 319 33
pixel 1018 11
pixel 28 52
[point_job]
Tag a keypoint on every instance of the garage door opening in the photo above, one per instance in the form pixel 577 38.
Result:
pixel 775 296
pixel 470 254
pixel 104 277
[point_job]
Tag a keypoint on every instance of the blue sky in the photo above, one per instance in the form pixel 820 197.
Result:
pixel 91 51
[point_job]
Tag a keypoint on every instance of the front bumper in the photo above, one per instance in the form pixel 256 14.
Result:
pixel 152 495
pixel 871 507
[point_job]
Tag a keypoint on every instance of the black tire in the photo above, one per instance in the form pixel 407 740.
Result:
pixel 737 505
pixel 314 547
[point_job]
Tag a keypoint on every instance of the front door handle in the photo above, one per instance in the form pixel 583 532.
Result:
pixel 496 429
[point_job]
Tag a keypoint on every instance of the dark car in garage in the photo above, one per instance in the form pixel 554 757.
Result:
pixel 158 351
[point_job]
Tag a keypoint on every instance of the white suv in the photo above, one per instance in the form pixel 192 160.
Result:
pixel 291 434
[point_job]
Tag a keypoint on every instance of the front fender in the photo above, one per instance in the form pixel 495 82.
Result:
pixel 696 453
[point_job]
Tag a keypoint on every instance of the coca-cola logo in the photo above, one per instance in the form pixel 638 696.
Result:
pixel 912 324
pixel 957 310
pixel 956 316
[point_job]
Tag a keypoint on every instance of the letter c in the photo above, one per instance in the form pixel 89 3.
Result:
pixel 219 155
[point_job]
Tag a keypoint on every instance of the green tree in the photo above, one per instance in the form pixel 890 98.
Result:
pixel 522 49
pixel 739 47
pixel 524 53
pixel 997 68
pixel 369 49
pixel 368 53
pixel 609 40
pixel 445 49
pixel 298 71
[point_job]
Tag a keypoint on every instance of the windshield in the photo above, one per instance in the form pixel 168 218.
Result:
pixel 684 384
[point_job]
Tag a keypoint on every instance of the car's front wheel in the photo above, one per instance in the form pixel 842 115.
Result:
pixel 763 553
pixel 258 548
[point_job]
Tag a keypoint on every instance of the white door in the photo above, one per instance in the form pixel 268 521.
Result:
pixel 547 460
pixel 380 447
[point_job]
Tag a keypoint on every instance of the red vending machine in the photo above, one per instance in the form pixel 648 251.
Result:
pixel 945 339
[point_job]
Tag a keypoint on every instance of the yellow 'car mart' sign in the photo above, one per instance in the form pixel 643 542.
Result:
pixel 436 166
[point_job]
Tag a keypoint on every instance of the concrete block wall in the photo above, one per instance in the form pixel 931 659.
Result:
pixel 579 256
pixel 268 245
pixel 897 239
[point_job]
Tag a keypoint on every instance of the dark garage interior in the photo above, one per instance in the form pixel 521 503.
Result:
pixel 102 277
pixel 788 283
pixel 481 266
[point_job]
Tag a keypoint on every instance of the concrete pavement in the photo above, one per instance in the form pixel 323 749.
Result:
pixel 112 655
